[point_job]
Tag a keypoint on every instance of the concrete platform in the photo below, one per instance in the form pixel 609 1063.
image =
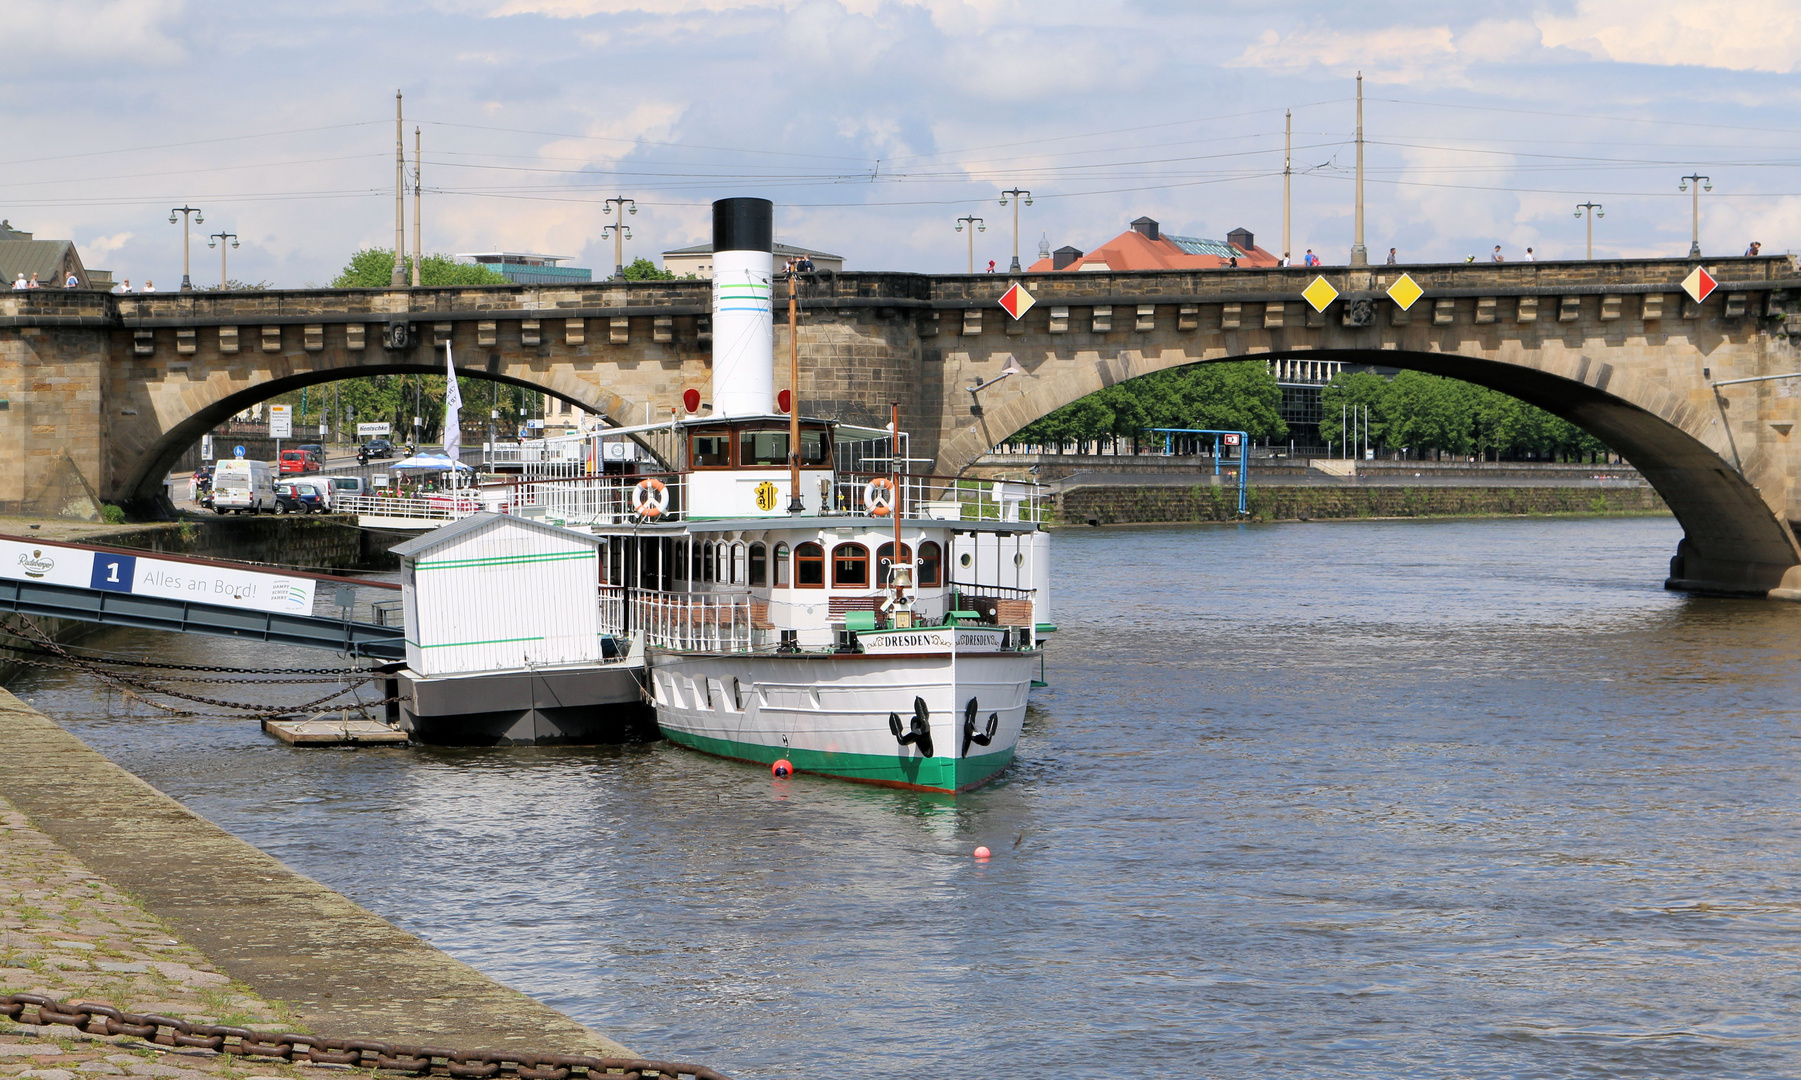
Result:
pixel 330 729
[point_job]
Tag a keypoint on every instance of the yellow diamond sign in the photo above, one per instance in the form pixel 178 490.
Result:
pixel 1405 291
pixel 1319 294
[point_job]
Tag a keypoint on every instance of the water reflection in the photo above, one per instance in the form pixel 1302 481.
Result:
pixel 1318 800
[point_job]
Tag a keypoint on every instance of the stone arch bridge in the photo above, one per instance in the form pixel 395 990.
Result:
pixel 105 392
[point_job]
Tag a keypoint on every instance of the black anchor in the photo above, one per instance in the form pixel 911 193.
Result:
pixel 921 733
pixel 970 734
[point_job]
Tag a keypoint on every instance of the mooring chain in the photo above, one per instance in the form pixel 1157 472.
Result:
pixel 96 1019
pixel 161 665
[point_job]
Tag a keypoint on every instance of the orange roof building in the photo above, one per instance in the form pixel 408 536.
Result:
pixel 1146 247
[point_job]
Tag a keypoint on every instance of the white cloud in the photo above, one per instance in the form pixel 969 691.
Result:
pixel 1737 35
pixel 1402 54
pixel 54 33
pixel 100 247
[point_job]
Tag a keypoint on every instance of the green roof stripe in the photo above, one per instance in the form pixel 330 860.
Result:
pixel 505 560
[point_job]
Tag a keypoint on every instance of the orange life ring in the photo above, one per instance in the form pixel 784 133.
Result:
pixel 650 498
pixel 878 496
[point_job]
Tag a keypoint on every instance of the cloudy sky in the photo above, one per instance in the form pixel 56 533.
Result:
pixel 874 124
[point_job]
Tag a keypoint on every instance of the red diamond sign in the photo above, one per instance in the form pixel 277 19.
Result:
pixel 1016 301
pixel 1699 284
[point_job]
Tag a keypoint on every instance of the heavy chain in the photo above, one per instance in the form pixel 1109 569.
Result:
pixel 408 1060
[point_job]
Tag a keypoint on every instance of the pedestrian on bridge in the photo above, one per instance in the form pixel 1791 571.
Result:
pixel 1311 259
pixel 1497 256
pixel 1530 257
pixel 1391 260
pixel 1755 247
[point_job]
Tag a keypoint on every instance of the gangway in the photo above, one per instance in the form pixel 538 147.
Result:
pixel 114 586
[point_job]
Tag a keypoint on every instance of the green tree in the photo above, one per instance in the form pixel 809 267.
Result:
pixel 373 268
pixel 1239 396
pixel 643 269
pixel 1343 396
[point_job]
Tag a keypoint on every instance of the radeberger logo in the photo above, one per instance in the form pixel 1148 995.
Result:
pixel 35 564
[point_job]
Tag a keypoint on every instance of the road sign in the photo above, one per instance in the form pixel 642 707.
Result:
pixel 281 421
pixel 206 448
pixel 237 451
pixel 1319 294
pixel 1232 438
pixel 1699 284
pixel 1016 301
pixel 1405 291
pixel 371 430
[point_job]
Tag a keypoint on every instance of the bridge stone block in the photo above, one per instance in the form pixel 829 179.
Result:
pixel 575 331
pixel 442 333
pixel 487 332
pixel 1736 304
pixel 356 337
pixel 529 335
pixel 619 330
pixel 1485 309
pixel 1398 315
pixel 1610 307
pixel 1188 317
pixel 972 322
pixel 1527 310
pixel 662 328
pixel 1569 309
pixel 228 340
pixel 184 340
pixel 1444 311
pixel 703 331
pixel 1230 315
pixel 1101 319
pixel 312 337
pixel 143 342
pixel 1059 323
pixel 271 339
pixel 1651 309
pixel 1147 319
pixel 1015 327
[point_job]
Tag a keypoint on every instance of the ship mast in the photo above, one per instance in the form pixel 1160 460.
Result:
pixel 795 505
pixel 894 487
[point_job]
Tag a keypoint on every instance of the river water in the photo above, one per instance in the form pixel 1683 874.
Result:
pixel 1352 799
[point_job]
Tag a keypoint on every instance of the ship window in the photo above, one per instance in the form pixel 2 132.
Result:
pixel 812 449
pixel 931 565
pixel 695 556
pixel 737 564
pixel 707 565
pixel 712 450
pixel 850 565
pixel 809 566
pixel 762 448
pixel 885 560
pixel 781 565
pixel 759 566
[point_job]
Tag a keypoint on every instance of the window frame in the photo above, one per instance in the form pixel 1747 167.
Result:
pixel 731 446
pixel 906 560
pixel 756 565
pixel 779 575
pixel 858 555
pixel 805 557
pixel 936 562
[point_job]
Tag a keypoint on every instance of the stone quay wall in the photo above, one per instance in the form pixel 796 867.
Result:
pixel 1123 505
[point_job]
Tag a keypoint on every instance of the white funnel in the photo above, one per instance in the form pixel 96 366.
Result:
pixel 743 332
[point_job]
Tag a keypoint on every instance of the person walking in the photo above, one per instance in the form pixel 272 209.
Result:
pixel 1530 257
pixel 1285 259
pixel 19 284
pixel 1391 257
pixel 33 283
pixel 1496 256
pixel 124 286
pixel 991 266
pixel 1310 259
pixel 1756 246
pixel 805 265
pixel 149 286
pixel 73 282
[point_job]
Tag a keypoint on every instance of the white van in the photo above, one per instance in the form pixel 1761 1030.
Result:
pixel 244 486
pixel 340 486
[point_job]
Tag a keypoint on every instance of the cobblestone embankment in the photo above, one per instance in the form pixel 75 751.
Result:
pixel 111 891
pixel 1119 504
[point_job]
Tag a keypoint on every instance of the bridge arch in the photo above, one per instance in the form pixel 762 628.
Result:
pixel 145 450
pixel 1736 537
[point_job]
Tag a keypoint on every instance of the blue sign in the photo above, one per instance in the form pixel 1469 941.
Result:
pixel 113 572
pixel 238 450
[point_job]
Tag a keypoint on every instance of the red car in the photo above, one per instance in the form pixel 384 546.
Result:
pixel 298 462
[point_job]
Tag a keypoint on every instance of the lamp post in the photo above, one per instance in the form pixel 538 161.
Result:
pixel 617 207
pixel 1594 211
pixel 218 240
pixel 980 226
pixel 187 284
pixel 1694 248
pixel 1018 194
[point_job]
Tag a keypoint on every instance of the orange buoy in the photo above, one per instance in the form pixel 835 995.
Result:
pixel 983 853
pixel 782 767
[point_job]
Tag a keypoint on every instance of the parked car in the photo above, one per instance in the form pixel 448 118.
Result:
pixel 314 449
pixel 241 485
pixel 298 462
pixel 296 497
pixel 377 448
pixel 340 486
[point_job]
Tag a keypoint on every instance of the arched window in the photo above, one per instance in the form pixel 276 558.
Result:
pixel 708 562
pixel 884 559
pixel 931 565
pixel 809 566
pixel 738 563
pixel 759 566
pixel 850 566
pixel 781 566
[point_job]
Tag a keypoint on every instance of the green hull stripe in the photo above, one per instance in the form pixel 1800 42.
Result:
pixel 459 644
pixel 931 774
pixel 503 560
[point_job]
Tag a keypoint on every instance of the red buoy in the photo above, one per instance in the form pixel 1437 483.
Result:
pixel 691 399
pixel 983 853
pixel 782 767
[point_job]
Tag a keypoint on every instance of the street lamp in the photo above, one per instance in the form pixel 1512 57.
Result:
pixel 218 240
pixel 1694 248
pixel 980 226
pixel 1018 194
pixel 617 207
pixel 1594 211
pixel 187 285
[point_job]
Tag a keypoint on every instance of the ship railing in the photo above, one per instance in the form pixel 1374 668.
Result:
pixel 598 500
pixel 698 622
pixel 612 610
pixel 424 509
pixel 944 498
pixel 1003 605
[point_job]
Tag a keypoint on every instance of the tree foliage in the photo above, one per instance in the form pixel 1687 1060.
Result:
pixel 396 399
pixel 1230 397
pixel 1426 413
pixel 642 269
pixel 373 268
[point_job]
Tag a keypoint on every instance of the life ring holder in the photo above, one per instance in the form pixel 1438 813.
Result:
pixel 650 499
pixel 878 496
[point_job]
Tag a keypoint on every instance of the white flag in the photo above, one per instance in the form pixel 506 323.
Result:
pixel 453 410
